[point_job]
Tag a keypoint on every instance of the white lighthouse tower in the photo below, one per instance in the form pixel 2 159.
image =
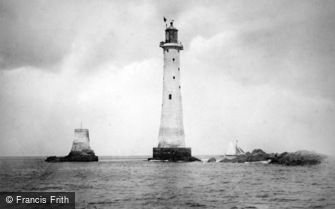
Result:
pixel 171 131
pixel 171 137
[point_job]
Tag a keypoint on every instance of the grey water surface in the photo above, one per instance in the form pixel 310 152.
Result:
pixel 133 182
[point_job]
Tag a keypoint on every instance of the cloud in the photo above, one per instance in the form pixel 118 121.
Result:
pixel 39 115
pixel 33 34
pixel 41 34
pixel 292 49
pixel 258 72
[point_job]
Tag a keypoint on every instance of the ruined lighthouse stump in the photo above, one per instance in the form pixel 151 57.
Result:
pixel 80 151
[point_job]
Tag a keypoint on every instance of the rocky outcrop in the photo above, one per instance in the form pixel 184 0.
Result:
pixel 75 156
pixel 286 158
pixel 255 156
pixel 211 160
pixel 193 159
pixel 298 158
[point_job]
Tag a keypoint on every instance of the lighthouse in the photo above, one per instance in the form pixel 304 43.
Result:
pixel 171 137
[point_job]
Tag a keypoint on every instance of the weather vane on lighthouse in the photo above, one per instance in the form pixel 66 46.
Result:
pixel 171 138
pixel 171 22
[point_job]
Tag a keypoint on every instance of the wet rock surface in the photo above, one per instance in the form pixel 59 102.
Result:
pixel 211 160
pixel 193 159
pixel 75 156
pixel 298 158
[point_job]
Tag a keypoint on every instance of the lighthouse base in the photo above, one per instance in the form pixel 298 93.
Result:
pixel 173 154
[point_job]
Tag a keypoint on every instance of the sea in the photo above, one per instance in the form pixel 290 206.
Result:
pixel 133 182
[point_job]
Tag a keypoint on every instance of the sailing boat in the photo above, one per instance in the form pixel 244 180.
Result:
pixel 234 151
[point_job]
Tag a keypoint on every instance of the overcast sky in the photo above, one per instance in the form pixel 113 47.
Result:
pixel 258 71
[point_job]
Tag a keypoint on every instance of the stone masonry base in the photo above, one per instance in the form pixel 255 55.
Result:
pixel 173 154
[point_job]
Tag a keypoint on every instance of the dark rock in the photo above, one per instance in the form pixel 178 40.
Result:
pixel 298 158
pixel 211 160
pixel 240 159
pixel 52 159
pixel 258 152
pixel 75 156
pixel 193 159
pixel 285 158
pixel 254 156
pixel 258 155
pixel 229 160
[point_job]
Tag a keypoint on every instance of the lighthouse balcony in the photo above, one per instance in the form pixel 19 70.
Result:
pixel 171 45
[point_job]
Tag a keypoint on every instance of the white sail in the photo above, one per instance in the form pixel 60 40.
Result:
pixel 239 151
pixel 231 149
